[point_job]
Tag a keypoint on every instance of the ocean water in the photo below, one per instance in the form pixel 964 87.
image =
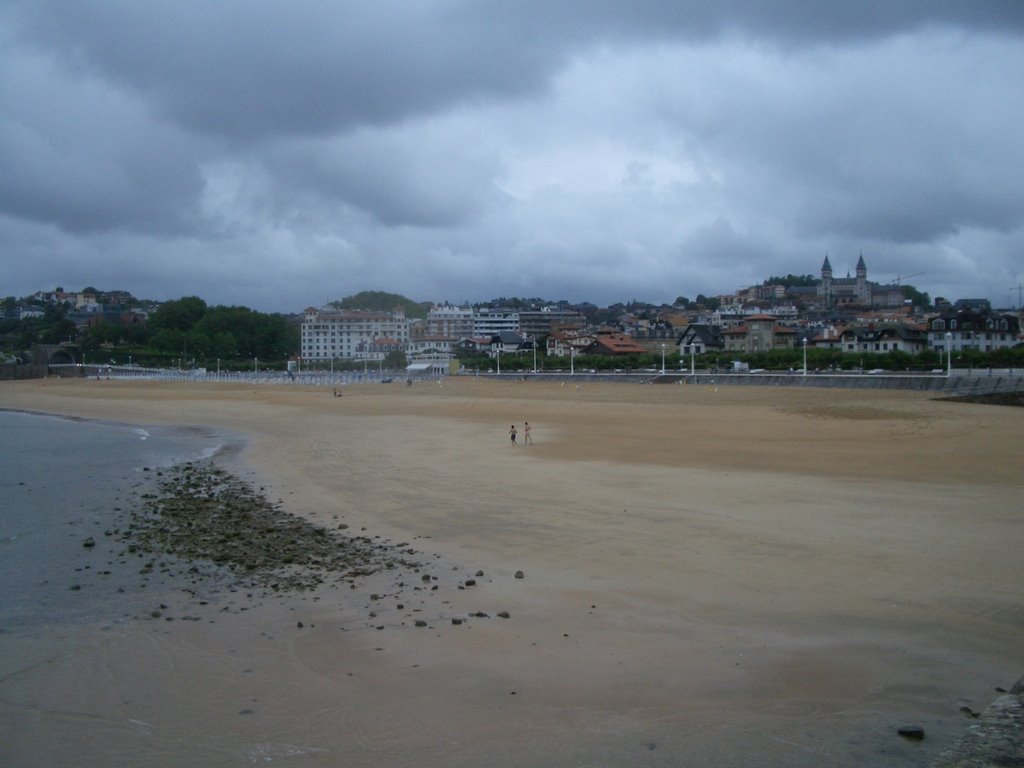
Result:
pixel 66 483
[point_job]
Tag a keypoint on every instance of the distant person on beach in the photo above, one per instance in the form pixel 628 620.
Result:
pixel 512 434
pixel 527 439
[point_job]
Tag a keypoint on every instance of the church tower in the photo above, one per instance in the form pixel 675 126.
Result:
pixel 863 296
pixel 825 286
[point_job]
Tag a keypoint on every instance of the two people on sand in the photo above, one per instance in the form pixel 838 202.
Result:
pixel 527 438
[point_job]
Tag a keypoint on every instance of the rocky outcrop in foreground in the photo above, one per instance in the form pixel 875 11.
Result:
pixel 218 523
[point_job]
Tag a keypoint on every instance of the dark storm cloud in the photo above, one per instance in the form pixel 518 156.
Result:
pixel 454 150
pixel 262 68
pixel 80 153
pixel 251 68
pixel 426 178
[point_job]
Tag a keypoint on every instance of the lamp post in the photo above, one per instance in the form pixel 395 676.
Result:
pixel 255 365
pixel 533 343
pixel 662 359
pixel 805 355
pixel 498 357
pixel 572 360
pixel 949 354
pixel 693 371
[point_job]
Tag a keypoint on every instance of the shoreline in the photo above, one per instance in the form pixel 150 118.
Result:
pixel 786 592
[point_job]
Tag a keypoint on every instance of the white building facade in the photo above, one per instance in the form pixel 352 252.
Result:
pixel 449 321
pixel 491 322
pixel 334 334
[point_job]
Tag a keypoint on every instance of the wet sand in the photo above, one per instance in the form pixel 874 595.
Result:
pixel 709 577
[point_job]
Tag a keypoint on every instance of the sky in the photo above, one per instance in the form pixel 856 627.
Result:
pixel 280 155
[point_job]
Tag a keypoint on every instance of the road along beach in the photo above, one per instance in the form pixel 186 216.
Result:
pixel 668 575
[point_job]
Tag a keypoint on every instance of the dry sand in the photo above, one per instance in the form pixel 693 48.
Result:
pixel 739 576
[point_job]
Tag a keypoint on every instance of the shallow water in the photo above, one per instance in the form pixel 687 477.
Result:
pixel 66 485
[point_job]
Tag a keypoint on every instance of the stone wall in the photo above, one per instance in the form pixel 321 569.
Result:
pixel 996 739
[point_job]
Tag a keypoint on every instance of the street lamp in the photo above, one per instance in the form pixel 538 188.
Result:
pixel 949 354
pixel 693 372
pixel 662 359
pixel 499 358
pixel 534 345
pixel 805 355
pixel 255 365
pixel 572 359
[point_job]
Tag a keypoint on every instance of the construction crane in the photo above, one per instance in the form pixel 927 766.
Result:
pixel 904 277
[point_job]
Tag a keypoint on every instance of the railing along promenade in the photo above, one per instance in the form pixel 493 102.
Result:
pixel 308 378
pixel 958 381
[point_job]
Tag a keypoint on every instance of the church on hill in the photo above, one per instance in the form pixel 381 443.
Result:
pixel 858 291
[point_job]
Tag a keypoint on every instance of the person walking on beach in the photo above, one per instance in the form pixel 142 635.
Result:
pixel 512 434
pixel 527 439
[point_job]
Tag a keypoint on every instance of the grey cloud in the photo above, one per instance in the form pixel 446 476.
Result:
pixel 78 153
pixel 588 150
pixel 418 176
pixel 250 69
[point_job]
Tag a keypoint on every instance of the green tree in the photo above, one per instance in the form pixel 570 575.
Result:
pixel 223 345
pixel 708 302
pixel 916 297
pixel 168 340
pixel 395 360
pixel 178 315
pixel 381 301
pixel 790 281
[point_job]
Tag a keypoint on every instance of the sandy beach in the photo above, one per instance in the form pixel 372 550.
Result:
pixel 709 576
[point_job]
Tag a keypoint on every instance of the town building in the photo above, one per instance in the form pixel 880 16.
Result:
pixel 448 321
pixel 565 342
pixel 881 339
pixel 431 348
pixel 759 333
pixel 858 291
pixel 614 345
pixel 489 321
pixel 336 334
pixel 969 328
pixel 700 338
pixel 537 323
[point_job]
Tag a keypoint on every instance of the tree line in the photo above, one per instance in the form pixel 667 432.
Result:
pixel 184 332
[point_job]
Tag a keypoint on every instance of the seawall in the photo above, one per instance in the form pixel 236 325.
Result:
pixel 996 739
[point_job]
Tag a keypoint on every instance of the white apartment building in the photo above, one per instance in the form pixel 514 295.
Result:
pixel 332 334
pixel 450 322
pixel 491 322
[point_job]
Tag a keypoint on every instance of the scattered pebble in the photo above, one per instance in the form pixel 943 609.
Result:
pixel 912 732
